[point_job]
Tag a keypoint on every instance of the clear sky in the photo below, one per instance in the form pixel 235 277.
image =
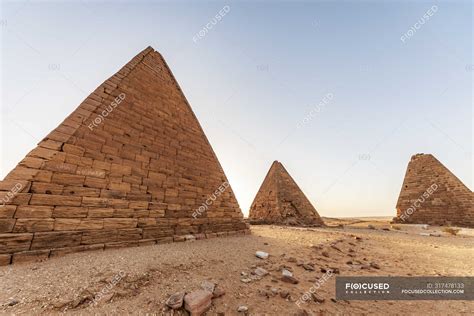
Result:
pixel 256 81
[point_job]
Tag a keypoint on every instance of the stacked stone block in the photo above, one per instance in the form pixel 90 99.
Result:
pixel 431 194
pixel 128 167
pixel 280 201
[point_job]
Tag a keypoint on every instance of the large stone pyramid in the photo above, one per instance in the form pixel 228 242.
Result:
pixel 431 194
pixel 280 201
pixel 130 166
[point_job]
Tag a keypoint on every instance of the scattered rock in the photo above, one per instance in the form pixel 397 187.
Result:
pixel 274 291
pixel 291 259
pixel 308 266
pixel 208 286
pixel 176 300
pixel 265 243
pixel 335 270
pixel 358 238
pixel 261 254
pixel 370 226
pixel 333 300
pixel 287 276
pixel 385 228
pixel 284 294
pixel 301 312
pixel 13 302
pixel 336 248
pixel 242 309
pixel 198 302
pixel 374 265
pixel 325 253
pixel 218 292
pixel 261 272
pixel 246 280
pixel 317 298
pixel 323 270
pixel 189 238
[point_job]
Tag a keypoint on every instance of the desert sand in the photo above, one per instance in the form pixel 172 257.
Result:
pixel 146 276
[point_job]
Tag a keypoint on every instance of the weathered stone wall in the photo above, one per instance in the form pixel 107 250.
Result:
pixel 280 200
pixel 128 167
pixel 431 194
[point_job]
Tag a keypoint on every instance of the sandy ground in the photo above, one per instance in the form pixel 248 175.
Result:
pixel 146 276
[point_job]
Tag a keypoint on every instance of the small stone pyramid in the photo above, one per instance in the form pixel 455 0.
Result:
pixel 431 194
pixel 280 201
pixel 130 166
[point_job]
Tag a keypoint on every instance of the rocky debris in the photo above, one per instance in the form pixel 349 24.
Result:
pixel 284 294
pixel 386 229
pixel 218 292
pixel 198 302
pixel 308 266
pixel 335 270
pixel 333 300
pixel 336 248
pixel 291 259
pixel 274 291
pixel 301 312
pixel 176 300
pixel 242 309
pixel 13 302
pixel 374 265
pixel 246 280
pixel 261 254
pixel 317 298
pixel 261 272
pixel 287 276
pixel 189 238
pixel 325 253
pixel 358 238
pixel 208 286
pixel 370 226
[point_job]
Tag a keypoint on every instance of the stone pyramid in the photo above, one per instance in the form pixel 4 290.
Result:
pixel 431 194
pixel 280 201
pixel 130 166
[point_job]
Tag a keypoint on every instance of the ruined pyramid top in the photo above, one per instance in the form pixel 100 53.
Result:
pixel 280 200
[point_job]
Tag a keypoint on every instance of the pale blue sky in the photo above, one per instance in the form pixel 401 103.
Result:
pixel 255 76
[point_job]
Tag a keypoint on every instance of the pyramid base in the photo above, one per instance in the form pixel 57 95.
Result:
pixel 286 222
pixel 41 255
